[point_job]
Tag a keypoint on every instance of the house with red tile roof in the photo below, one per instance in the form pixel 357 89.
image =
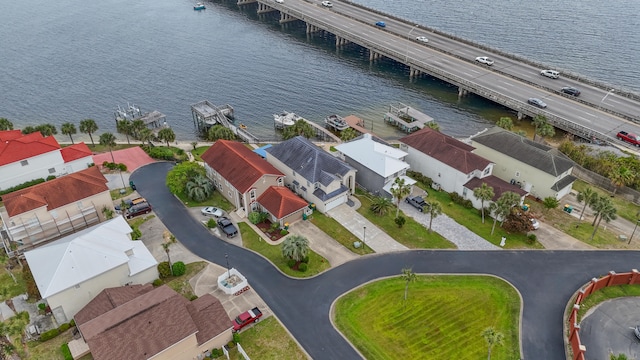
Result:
pixel 28 157
pixel 56 207
pixel 452 165
pixel 141 322
pixel 283 206
pixel 239 174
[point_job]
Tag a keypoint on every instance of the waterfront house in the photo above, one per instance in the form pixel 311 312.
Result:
pixel 282 205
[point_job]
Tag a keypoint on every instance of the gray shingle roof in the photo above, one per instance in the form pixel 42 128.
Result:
pixel 540 156
pixel 310 161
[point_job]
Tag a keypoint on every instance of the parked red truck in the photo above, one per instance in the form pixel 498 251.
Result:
pixel 629 137
pixel 246 318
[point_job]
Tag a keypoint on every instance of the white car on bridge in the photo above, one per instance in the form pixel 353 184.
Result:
pixel 550 74
pixel 484 60
pixel 327 4
pixel 422 39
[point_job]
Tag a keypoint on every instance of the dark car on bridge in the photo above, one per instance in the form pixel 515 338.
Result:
pixel 381 24
pixel 537 102
pixel 570 90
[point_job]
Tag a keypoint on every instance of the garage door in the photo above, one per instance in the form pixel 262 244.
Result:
pixel 333 203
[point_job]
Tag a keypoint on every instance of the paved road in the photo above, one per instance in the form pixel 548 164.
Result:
pixel 545 279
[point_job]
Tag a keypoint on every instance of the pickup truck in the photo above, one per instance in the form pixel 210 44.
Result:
pixel 227 227
pixel 246 318
pixel 417 202
pixel 629 137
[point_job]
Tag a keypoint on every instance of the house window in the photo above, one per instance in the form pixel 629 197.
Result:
pixel 52 170
pixel 24 162
pixel 226 183
pixel 229 192
pixel 220 186
pixel 280 181
pixel 486 171
pixel 316 186
pixel 253 194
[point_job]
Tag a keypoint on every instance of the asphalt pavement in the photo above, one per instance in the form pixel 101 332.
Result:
pixel 545 279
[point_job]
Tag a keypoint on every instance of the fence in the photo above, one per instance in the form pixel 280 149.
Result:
pixel 605 183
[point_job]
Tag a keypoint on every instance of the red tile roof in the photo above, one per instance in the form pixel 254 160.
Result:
pixel 150 323
pixel 16 147
pixel 56 193
pixel 446 149
pixel 238 164
pixel 280 201
pixel 75 152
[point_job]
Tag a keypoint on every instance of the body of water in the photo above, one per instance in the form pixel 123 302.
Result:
pixel 70 60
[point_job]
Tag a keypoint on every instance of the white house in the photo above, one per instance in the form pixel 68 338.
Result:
pixel 71 271
pixel 28 157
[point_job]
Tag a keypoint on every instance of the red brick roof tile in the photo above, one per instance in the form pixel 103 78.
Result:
pixel 16 147
pixel 280 201
pixel 56 193
pixel 75 152
pixel 238 164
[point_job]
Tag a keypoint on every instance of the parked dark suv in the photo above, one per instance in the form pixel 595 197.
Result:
pixel 139 209
pixel 570 90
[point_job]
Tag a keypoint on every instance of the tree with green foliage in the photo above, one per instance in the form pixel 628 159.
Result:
pixel 299 128
pixel 182 173
pixel 588 196
pixel 521 133
pixel 546 130
pixel 483 193
pixel 146 136
pixel 399 190
pixel 539 121
pixel 500 209
pixel 88 126
pixel 550 202
pixel 29 130
pixel 295 247
pixel 618 357
pixel 604 210
pixel 69 129
pixel 493 338
pixel 381 206
pixel 167 135
pixel 348 134
pixel 124 127
pixel 505 122
pixel 433 125
pixel 169 240
pixel 621 176
pixel 194 144
pixel 109 140
pixel 408 276
pixel 434 209
pixel 137 126
pixel 219 132
pixel 400 221
pixel 46 129
pixel 5 124
pixel 199 188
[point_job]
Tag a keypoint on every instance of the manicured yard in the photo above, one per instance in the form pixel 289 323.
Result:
pixel 412 234
pixel 334 229
pixel 443 318
pixel 199 151
pixel 607 293
pixel 626 209
pixel 216 200
pixel 181 283
pixel 268 340
pixel 253 241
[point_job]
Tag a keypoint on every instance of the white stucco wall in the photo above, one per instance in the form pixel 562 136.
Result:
pixel 37 167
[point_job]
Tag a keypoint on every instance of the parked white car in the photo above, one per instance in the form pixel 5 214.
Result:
pixel 550 74
pixel 484 60
pixel 535 224
pixel 211 211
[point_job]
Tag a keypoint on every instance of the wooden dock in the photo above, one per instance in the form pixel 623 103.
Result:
pixel 357 124
pixel 406 118
pixel 323 133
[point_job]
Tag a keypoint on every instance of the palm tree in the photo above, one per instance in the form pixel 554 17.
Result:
pixel 484 193
pixel 505 123
pixel 598 203
pixel 145 135
pixel 434 209
pixel 621 176
pixel 124 127
pixel 546 130
pixel 348 134
pixel 167 135
pixel 299 128
pixel 5 124
pixel 500 209
pixel 68 129
pixel 510 198
pixel 381 206
pixel 588 196
pixel 219 132
pixel 137 127
pixel 606 211
pixel 199 188
pixel 109 140
pixel 47 129
pixel 493 338
pixel 88 126
pixel 295 247
pixel 408 276
pixel 169 240
pixel 539 121
pixel 399 190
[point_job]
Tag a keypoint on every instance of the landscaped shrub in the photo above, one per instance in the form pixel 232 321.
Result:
pixel 231 345
pixel 157 282
pixel 72 323
pixel 42 306
pixel 211 223
pixel 51 177
pixel 531 238
pixel 550 202
pixel 456 198
pixel 162 153
pixel 291 263
pixel 136 233
pixel 400 220
pixel 303 267
pixel 255 217
pixel 236 337
pixel 216 353
pixel 179 268
pixel 164 270
pixel 122 167
pixel 193 297
pixel 22 186
pixel 274 227
pixel 305 259
pixel 420 177
pixel 47 335
pixel 64 327
pixel 66 353
pixel 283 232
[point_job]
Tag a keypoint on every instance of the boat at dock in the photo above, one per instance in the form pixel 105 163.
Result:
pixel 199 6
pixel 285 119
pixel 336 122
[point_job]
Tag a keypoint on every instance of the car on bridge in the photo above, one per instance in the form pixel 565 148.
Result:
pixel 327 4
pixel 550 74
pixel 629 137
pixel 537 103
pixel 422 39
pixel 381 24
pixel 570 90
pixel 484 60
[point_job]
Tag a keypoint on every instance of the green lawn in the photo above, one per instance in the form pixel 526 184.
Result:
pixel 582 230
pixel 626 209
pixel 443 318
pixel 199 151
pixel 268 340
pixel 181 283
pixel 216 200
pixel 605 294
pixel 251 240
pixel 412 234
pixel 334 229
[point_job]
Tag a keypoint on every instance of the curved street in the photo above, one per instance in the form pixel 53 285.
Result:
pixel 545 279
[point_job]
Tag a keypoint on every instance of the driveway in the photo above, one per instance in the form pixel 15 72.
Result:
pixel 545 279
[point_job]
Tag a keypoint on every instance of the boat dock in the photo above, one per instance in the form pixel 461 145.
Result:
pixel 206 114
pixel 153 120
pixel 406 118
pixel 322 133
pixel 357 124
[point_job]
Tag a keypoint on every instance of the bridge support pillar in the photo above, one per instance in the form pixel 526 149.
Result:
pixel 520 115
pixel 373 55
pixel 413 73
pixel 462 92
pixel 340 41
pixel 286 18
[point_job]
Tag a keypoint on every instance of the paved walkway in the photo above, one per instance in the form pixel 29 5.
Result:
pixel 322 243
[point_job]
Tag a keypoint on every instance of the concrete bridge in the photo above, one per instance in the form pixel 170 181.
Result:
pixel 598 114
